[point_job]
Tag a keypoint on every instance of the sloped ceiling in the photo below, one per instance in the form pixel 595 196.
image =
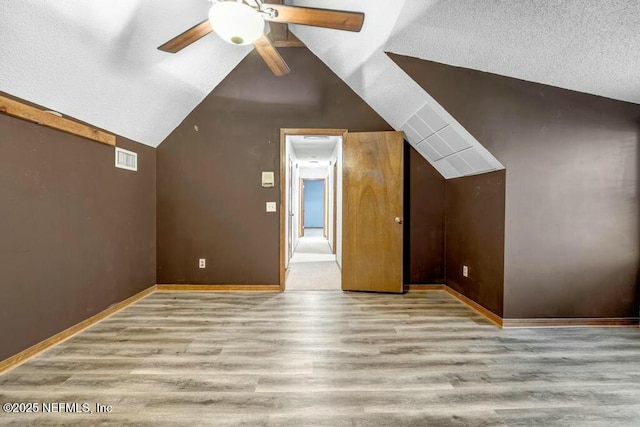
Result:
pixel 359 59
pixel 588 46
pixel 97 61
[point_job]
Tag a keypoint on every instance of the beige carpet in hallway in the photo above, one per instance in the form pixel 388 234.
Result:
pixel 313 245
pixel 313 276
pixel 313 266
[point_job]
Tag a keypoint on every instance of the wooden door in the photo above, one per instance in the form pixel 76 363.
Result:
pixel 372 210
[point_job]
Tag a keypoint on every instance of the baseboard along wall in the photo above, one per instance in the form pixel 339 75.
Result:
pixel 217 288
pixel 629 322
pixel 34 350
pixel 493 318
pixel 24 355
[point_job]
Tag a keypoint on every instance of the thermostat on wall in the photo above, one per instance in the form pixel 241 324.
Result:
pixel 267 179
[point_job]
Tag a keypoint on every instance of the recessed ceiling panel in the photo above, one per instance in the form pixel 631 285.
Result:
pixel 410 134
pixel 439 145
pixel 427 151
pixel 431 118
pixel 474 159
pixel 420 126
pixel 460 165
pixel 446 169
pixel 454 140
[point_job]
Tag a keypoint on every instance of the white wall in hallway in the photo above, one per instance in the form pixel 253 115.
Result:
pixel 292 181
pixel 295 199
pixel 338 160
pixel 330 203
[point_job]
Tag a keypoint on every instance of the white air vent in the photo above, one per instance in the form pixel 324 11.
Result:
pixel 126 159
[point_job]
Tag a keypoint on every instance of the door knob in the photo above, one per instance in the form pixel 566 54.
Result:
pixel 398 220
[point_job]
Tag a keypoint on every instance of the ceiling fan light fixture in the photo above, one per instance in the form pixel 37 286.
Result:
pixel 236 22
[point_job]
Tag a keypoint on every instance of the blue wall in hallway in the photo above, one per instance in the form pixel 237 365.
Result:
pixel 314 204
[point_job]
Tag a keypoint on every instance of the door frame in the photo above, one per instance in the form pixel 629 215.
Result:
pixel 300 208
pixel 335 208
pixel 283 148
pixel 290 217
pixel 325 208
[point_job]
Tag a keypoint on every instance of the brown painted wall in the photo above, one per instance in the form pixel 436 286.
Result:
pixel 571 231
pixel 475 237
pixel 77 234
pixel 210 202
pixel 424 241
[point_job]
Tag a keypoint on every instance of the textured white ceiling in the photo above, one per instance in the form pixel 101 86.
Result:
pixel 97 61
pixel 585 45
pixel 313 149
pixel 359 59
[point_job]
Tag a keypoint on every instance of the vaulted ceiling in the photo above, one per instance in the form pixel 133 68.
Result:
pixel 97 61
pixel 588 46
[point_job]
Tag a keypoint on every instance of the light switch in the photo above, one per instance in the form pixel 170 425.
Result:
pixel 271 206
pixel 268 179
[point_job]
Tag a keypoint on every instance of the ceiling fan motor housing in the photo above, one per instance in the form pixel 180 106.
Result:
pixel 236 22
pixel 241 22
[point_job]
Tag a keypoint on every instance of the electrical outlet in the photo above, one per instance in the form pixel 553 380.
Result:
pixel 465 271
pixel 202 263
pixel 271 206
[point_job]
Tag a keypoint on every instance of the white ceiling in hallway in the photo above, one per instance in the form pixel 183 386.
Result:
pixel 313 148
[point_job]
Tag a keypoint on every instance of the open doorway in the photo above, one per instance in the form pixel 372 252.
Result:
pixel 312 211
pixel 368 206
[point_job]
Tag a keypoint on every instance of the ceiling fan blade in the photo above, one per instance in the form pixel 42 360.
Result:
pixel 271 56
pixel 183 40
pixel 336 19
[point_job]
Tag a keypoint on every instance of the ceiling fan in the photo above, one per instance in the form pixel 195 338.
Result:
pixel 242 22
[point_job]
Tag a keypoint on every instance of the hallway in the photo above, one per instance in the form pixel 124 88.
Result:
pixel 313 266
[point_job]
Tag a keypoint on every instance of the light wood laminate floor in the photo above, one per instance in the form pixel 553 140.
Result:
pixel 329 358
